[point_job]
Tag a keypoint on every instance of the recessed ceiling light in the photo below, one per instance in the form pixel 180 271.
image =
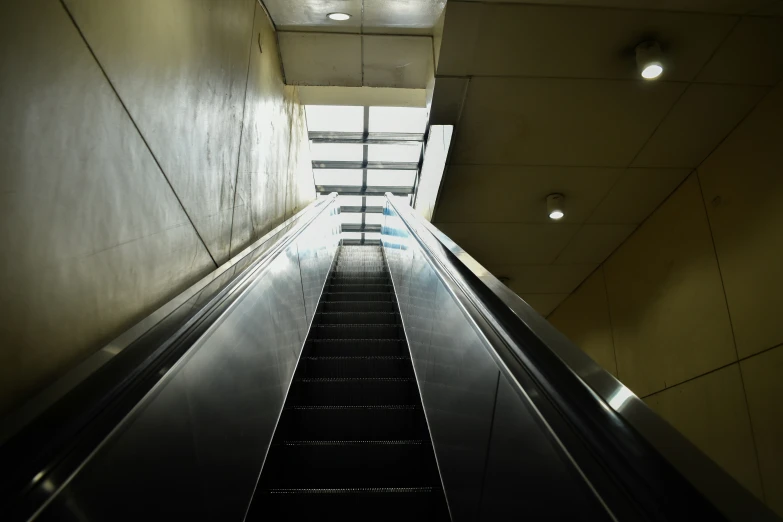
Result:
pixel 649 60
pixel 554 206
pixel 339 17
pixel 652 71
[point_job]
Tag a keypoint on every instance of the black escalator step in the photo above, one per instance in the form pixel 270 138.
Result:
pixel 371 278
pixel 353 393
pixel 356 306
pixel 359 287
pixel 350 347
pixel 353 265
pixel 357 296
pixel 354 379
pixel 352 423
pixel 350 466
pixel 355 331
pixel 396 442
pixel 357 318
pixel 409 504
pixel 356 366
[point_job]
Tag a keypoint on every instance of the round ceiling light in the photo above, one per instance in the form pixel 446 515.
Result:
pixel 649 60
pixel 339 17
pixel 554 206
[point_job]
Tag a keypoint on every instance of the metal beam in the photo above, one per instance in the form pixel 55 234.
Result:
pixel 358 227
pixel 371 165
pixel 372 138
pixel 357 191
pixel 359 210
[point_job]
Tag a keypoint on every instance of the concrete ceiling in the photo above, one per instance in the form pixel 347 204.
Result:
pixel 546 98
pixel 385 43
pixel 367 16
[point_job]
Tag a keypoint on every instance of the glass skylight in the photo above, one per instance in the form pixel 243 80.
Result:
pixel 391 178
pixel 337 151
pixel 398 119
pixel 395 153
pixel 334 118
pixel 355 149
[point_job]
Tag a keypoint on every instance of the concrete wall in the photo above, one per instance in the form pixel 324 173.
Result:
pixel 142 143
pixel 687 312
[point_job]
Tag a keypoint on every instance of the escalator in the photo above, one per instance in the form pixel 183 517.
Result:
pixel 352 442
pixel 312 379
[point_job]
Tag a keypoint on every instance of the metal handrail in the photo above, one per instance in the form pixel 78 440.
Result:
pixel 55 442
pixel 642 450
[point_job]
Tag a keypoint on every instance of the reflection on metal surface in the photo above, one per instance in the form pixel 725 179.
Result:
pixel 205 426
pixel 458 380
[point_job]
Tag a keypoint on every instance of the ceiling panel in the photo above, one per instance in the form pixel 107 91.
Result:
pixel 543 279
pixel 518 194
pixel 510 242
pixel 402 16
pixel 321 59
pixel 636 194
pixel 545 121
pixel 701 118
pixel 556 41
pixel 752 54
pixel 775 8
pixel 707 6
pixel 374 16
pixel 304 15
pixel 594 243
pixel 397 61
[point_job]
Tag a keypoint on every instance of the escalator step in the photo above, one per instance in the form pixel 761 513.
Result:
pixel 408 504
pixel 351 465
pixel 353 393
pixel 356 366
pixel 356 306
pixel 351 347
pixel 358 318
pixel 356 296
pixel 355 331
pixel 379 279
pixel 359 287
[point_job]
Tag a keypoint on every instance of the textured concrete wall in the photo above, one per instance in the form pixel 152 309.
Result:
pixel 686 312
pixel 142 143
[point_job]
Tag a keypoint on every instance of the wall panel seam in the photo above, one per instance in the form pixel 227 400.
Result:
pixel 731 326
pixel 135 126
pixel 242 129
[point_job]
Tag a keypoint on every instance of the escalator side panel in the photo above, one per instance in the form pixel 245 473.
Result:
pixel 469 421
pixel 194 446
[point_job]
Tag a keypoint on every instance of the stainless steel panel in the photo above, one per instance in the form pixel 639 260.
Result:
pixel 458 392
pixel 194 448
pixel 456 375
pixel 93 237
pixel 526 470
pixel 317 248
pixel 180 68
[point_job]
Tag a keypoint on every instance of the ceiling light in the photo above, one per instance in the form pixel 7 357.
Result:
pixel 649 60
pixel 339 17
pixel 554 206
